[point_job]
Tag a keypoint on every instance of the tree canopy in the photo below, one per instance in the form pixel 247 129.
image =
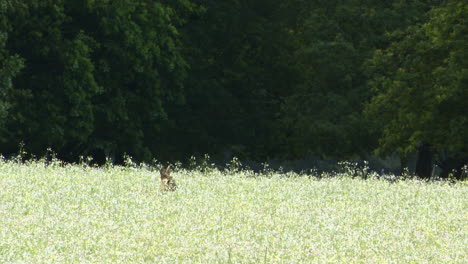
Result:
pixel 256 79
pixel 420 84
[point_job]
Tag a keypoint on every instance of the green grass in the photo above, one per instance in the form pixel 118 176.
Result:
pixel 77 214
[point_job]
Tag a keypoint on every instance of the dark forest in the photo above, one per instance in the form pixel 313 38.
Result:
pixel 255 79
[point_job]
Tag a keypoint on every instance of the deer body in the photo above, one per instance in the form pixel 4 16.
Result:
pixel 168 183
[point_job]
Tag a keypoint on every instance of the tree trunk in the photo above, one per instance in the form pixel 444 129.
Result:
pixel 403 163
pixel 424 162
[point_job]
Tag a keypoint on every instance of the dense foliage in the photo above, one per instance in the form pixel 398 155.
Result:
pixel 256 79
pixel 421 88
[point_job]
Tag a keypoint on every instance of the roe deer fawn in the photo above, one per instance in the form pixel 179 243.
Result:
pixel 167 182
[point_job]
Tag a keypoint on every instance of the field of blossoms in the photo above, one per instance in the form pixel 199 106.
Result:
pixel 82 214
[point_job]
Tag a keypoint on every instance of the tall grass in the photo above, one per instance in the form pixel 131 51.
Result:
pixel 81 214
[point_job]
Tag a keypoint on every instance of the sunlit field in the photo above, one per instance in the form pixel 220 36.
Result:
pixel 81 214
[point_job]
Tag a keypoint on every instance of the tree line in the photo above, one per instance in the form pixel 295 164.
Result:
pixel 257 79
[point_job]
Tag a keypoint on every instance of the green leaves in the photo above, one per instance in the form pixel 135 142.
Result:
pixel 10 65
pixel 96 73
pixel 255 79
pixel 322 114
pixel 420 84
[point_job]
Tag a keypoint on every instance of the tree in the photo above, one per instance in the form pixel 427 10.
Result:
pixel 139 63
pixel 322 115
pixel 241 68
pixel 420 90
pixel 10 65
pixel 97 75
pixel 51 99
